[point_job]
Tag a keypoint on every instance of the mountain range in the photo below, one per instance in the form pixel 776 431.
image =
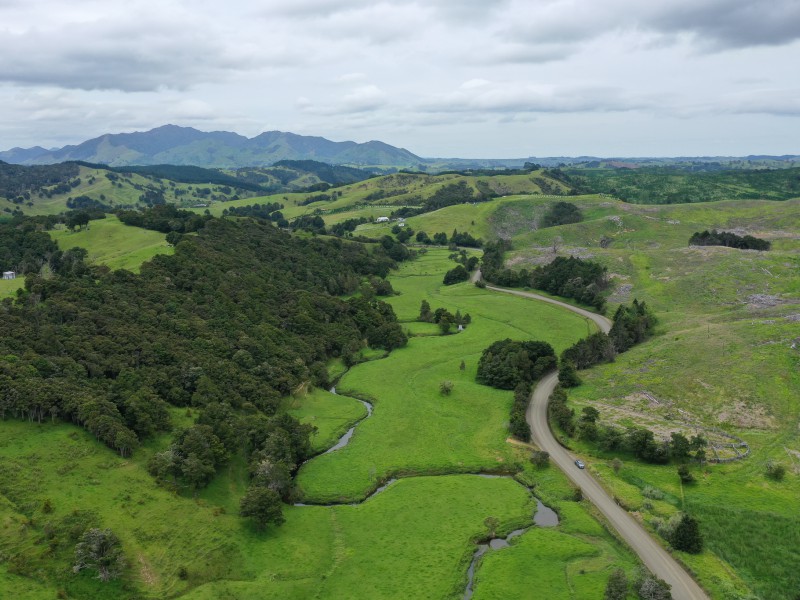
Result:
pixel 171 144
pixel 183 146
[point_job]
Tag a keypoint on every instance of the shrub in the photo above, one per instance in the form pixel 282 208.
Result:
pixel 685 474
pixel 617 586
pixel 540 458
pixel 652 493
pixel 775 470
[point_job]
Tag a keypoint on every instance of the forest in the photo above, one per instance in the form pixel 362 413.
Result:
pixel 241 315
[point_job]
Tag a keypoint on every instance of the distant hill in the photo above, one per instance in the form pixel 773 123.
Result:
pixel 50 189
pixel 175 145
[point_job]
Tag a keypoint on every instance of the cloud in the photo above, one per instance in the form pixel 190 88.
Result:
pixel 351 77
pixel 776 102
pixel 522 98
pixel 363 99
pixel 723 24
pixel 712 25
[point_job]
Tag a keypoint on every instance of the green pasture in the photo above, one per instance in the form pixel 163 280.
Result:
pixel 572 560
pixel 412 540
pixel 9 287
pixel 331 414
pixel 414 429
pixel 112 243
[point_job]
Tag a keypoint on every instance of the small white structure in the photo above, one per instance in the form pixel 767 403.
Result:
pixel 9 275
pixel 382 220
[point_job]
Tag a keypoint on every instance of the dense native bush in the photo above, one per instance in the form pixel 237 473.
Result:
pixel 510 365
pixel 581 280
pixel 456 275
pixel 269 211
pixel 632 325
pixel 506 363
pixel 731 240
pixel 241 315
pixel 562 213
pixel 164 218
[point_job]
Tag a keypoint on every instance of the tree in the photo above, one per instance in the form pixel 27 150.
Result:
pixel 197 472
pixel 440 239
pixel 589 414
pixel 99 549
pixel 274 475
pixel 616 465
pixel 562 213
pixel 568 375
pixel 680 447
pixel 617 586
pixel 425 313
pixel 686 536
pixel 445 387
pixel 262 505
pixel 540 458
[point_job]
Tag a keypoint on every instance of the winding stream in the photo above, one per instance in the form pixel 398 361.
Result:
pixel 543 517
pixel 345 439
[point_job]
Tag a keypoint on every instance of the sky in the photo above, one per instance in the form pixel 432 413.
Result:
pixel 442 78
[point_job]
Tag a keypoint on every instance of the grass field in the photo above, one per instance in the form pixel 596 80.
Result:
pixel 726 356
pixel 114 244
pixel 414 429
pixel 331 414
pixel 9 287
pixel 412 540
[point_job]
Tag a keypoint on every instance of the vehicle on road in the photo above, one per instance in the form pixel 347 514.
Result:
pixel 580 464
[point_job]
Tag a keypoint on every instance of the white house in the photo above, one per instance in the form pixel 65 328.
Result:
pixel 382 220
pixel 9 275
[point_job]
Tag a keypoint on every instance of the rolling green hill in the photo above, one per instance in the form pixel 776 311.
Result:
pixel 675 185
pixel 726 358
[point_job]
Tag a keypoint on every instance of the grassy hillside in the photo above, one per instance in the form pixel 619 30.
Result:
pixel 727 357
pixel 114 244
pixel 111 189
pixel 373 196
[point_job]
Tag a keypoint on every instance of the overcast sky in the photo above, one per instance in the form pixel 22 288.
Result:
pixel 446 78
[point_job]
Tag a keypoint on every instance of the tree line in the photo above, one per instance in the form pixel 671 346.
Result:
pixel 569 277
pixel 730 240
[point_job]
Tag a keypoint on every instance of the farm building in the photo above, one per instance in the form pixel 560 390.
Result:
pixel 382 220
pixel 9 275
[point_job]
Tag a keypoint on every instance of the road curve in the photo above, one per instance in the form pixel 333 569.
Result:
pixel 651 553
